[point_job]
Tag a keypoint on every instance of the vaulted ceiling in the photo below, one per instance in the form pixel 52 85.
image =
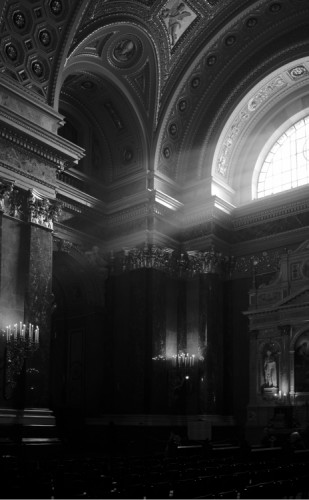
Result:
pixel 148 85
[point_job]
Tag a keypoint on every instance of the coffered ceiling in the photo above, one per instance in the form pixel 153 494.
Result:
pixel 161 75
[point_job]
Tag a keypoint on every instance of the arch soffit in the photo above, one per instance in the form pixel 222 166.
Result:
pixel 133 67
pixel 231 42
pixel 256 122
pixel 131 80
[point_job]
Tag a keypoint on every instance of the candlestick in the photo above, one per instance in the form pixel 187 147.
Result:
pixel 36 335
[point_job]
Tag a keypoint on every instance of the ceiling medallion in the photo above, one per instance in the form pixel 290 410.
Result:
pixel 195 82
pixel 19 19
pixel 11 52
pixel 230 40
pixel 182 105
pixel 211 60
pixel 298 72
pixel 251 22
pixel 37 68
pixel 173 129
pixel 56 7
pixel 275 7
pixel 125 51
pixel 167 153
pixel 45 38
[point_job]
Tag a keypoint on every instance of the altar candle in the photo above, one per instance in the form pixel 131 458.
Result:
pixel 15 331
pixel 20 328
pixel 7 333
pixel 36 335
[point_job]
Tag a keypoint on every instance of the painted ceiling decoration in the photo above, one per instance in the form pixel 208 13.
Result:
pixel 175 54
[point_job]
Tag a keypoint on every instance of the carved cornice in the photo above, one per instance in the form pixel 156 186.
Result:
pixel 261 216
pixel 180 264
pixel 19 131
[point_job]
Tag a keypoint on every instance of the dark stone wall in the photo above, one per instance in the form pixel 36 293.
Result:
pixel 237 367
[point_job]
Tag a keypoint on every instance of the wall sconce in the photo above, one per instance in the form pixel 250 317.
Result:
pixel 20 344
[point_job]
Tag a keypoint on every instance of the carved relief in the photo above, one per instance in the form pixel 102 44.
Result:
pixel 125 51
pixel 170 261
pixel 298 72
pixel 41 210
pixel 28 164
pixel 265 93
pixel 177 17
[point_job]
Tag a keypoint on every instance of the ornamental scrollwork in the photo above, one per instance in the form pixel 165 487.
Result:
pixel 181 264
pixel 42 211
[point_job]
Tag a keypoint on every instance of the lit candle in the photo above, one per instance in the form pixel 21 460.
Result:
pixel 15 331
pixel 7 333
pixel 20 328
pixel 23 332
pixel 36 335
pixel 30 331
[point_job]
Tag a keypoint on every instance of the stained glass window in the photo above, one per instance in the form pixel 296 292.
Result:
pixel 286 165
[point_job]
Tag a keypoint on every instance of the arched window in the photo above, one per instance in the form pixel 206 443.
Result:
pixel 286 165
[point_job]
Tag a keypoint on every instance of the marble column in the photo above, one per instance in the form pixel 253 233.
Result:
pixel 37 311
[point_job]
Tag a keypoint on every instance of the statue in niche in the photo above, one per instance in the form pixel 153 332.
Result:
pixel 301 363
pixel 269 368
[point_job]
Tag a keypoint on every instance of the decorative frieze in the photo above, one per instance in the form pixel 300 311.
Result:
pixel 182 264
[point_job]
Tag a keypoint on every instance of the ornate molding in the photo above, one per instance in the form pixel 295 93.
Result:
pixel 261 216
pixel 42 211
pixel 171 261
pixel 28 206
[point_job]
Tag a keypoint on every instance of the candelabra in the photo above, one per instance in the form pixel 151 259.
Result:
pixel 182 360
pixel 20 344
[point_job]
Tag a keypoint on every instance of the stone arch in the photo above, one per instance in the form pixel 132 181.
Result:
pixel 269 108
